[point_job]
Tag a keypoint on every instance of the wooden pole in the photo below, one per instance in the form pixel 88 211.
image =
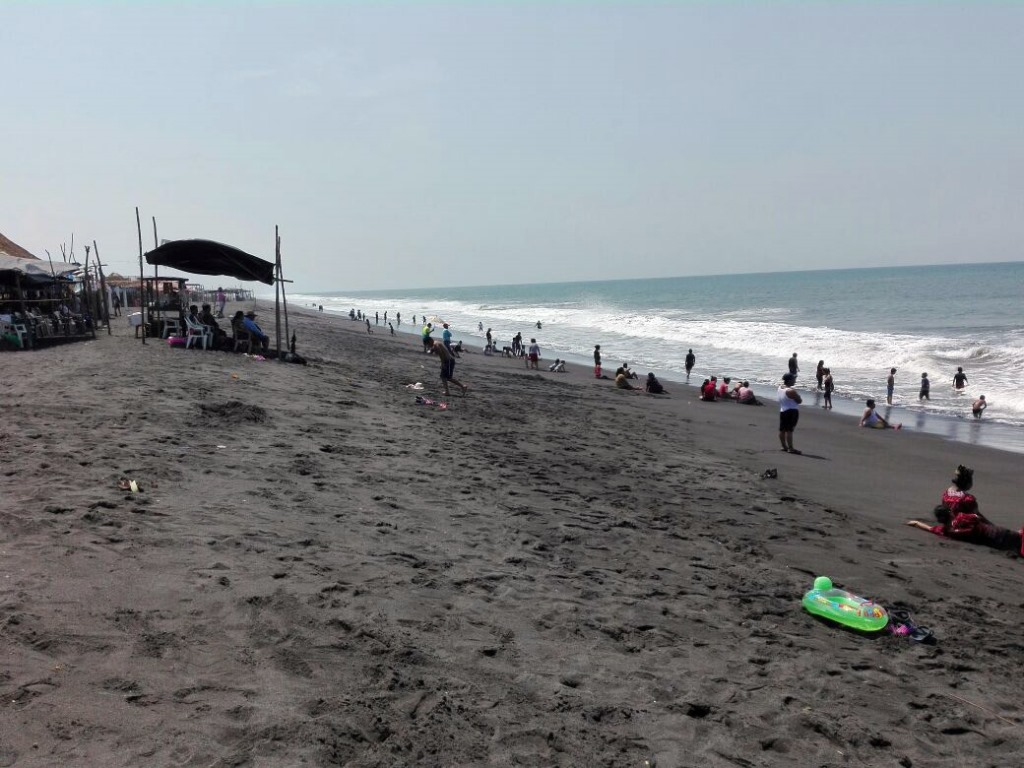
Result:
pixel 24 309
pixel 103 286
pixel 86 298
pixel 277 292
pixel 284 299
pixel 142 277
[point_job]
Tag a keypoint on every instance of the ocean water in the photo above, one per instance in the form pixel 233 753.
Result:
pixel 860 322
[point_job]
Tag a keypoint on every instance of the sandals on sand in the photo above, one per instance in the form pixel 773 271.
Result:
pixel 902 625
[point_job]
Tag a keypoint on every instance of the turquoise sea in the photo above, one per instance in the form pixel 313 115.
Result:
pixel 860 322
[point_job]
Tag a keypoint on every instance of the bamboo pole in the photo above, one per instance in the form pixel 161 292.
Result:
pixel 89 301
pixel 277 291
pixel 142 277
pixel 24 309
pixel 103 286
pixel 284 298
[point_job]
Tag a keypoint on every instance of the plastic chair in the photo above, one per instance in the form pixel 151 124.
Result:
pixel 242 336
pixel 197 331
pixel 172 327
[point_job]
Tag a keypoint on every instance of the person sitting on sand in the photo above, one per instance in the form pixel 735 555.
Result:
pixel 723 389
pixel 622 382
pixel 959 518
pixel 871 419
pixel 707 390
pixel 653 386
pixel 979 406
pixel 555 364
pixel 745 395
pixel 249 324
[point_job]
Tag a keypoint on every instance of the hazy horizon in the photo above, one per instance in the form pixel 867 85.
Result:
pixel 404 144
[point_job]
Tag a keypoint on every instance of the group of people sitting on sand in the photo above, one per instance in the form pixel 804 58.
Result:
pixel 711 390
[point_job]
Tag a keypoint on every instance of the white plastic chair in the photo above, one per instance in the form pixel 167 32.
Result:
pixel 197 331
pixel 171 327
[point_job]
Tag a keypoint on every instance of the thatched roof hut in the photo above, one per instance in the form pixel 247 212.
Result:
pixel 10 248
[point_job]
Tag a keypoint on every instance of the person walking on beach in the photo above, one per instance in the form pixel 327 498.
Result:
pixel 959 379
pixel 871 419
pixel 926 388
pixel 376 318
pixel 447 366
pixel 789 411
pixel 819 374
pixel 794 369
pixel 392 329
pixel 979 407
pixel 398 318
pixel 446 336
pixel 597 361
pixel 425 336
pixel 222 299
pixel 890 386
pixel 489 349
pixel 829 386
pixel 690 360
pixel 368 328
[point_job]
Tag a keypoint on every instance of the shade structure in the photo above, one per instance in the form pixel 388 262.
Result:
pixel 34 270
pixel 206 257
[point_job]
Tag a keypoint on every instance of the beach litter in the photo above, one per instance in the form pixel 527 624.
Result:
pixel 417 386
pixel 427 401
pixel 124 484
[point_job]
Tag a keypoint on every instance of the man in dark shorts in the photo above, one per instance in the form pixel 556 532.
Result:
pixel 690 360
pixel 789 412
pixel 447 366
pixel 794 369
pixel 959 379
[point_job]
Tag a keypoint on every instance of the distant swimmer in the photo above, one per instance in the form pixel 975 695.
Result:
pixel 480 327
pixel 538 325
pixel 959 379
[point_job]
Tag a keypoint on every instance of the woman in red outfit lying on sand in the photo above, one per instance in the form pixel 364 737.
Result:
pixel 959 518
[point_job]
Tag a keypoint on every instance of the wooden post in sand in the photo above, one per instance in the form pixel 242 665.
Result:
pixel 142 277
pixel 103 285
pixel 277 291
pixel 89 300
pixel 284 298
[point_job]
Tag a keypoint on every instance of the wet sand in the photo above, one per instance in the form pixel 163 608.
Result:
pixel 320 571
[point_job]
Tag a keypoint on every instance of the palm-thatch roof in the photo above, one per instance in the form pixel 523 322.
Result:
pixel 11 248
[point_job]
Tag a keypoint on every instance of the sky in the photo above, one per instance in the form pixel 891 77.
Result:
pixel 418 144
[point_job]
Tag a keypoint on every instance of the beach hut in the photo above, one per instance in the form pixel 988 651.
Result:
pixel 31 292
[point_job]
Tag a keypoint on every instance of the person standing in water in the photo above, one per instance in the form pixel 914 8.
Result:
pixel 959 379
pixel 597 361
pixel 690 360
pixel 794 369
pixel 926 388
pixel 890 386
pixel 819 374
pixel 979 406
pixel 830 387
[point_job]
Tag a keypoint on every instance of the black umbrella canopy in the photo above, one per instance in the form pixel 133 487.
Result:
pixel 206 257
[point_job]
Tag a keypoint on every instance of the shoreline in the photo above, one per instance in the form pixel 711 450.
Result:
pixel 320 570
pixel 968 431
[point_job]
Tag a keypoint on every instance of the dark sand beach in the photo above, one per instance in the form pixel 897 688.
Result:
pixel 320 571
